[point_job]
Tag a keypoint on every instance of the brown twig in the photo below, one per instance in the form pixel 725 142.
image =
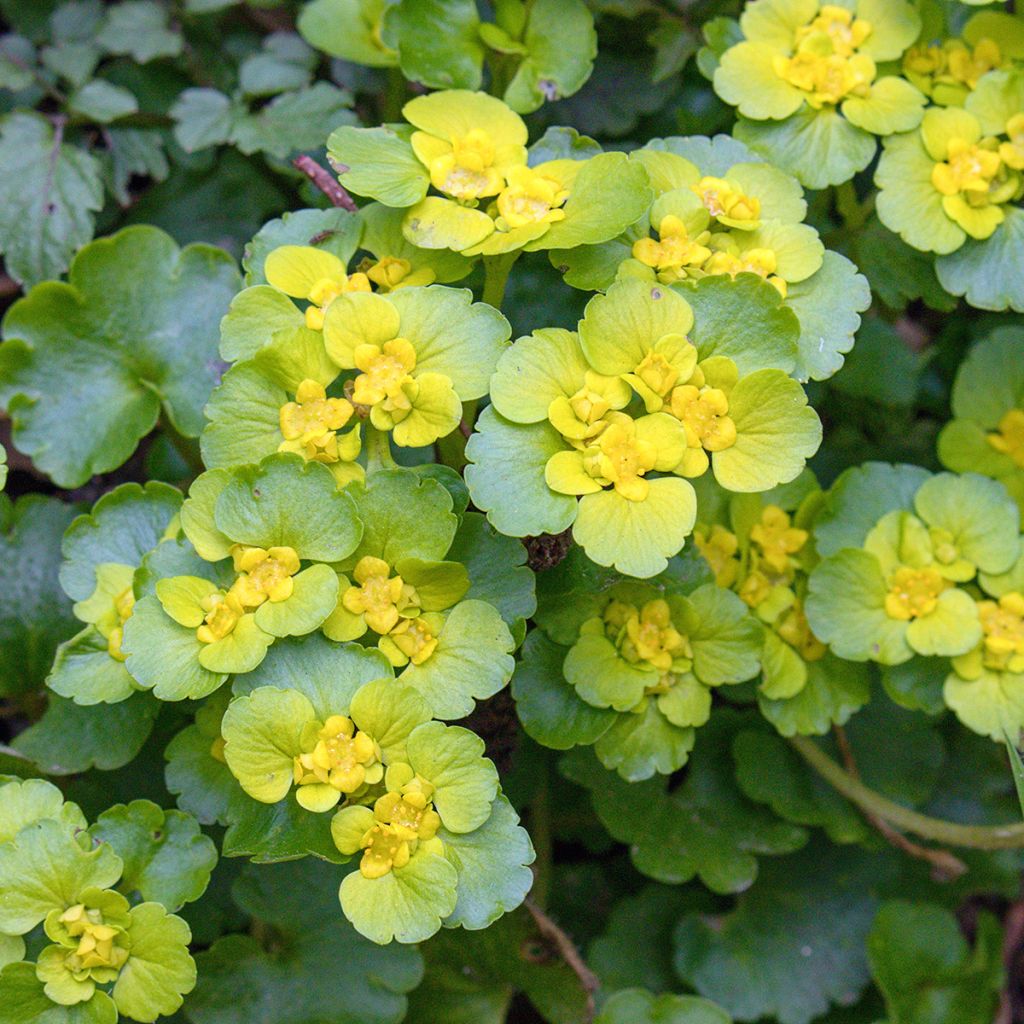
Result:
pixel 1013 938
pixel 465 429
pixel 323 181
pixel 566 948
pixel 945 866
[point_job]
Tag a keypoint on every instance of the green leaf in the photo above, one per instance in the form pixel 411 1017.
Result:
pixel 284 62
pixel 979 271
pixel 166 858
pixel 159 970
pixel 705 827
pixel 348 29
pixel 44 868
pixel 313 598
pixel 1017 768
pixel 472 661
pixel 549 708
pixel 635 1006
pixel 70 739
pixel 745 320
pixel 643 743
pixel 35 615
pixel 23 1001
pixel 49 194
pixel 404 516
pixel 285 501
pixel 380 162
pixel 84 671
pixel 454 55
pixel 17 57
pixel 506 479
pixel 334 230
pixel 268 833
pixel 827 305
pixel 834 690
pixel 561 45
pixel 103 102
pixel 493 866
pixel 881 368
pixel 138 28
pixel 242 983
pixel 203 117
pixel 31 800
pixel 795 942
pixel 818 147
pixel 925 969
pixel 558 143
pixel 131 351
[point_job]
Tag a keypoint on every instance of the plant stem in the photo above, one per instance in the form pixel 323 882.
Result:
pixel 540 833
pixel 186 447
pixel 496 271
pixel 394 96
pixel 377 445
pixel 978 837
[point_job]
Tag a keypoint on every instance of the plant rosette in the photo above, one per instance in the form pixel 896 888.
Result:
pixel 986 434
pixel 399 590
pixel 105 956
pixel 581 423
pixel 102 551
pixel 948 70
pixel 759 546
pixel 410 788
pixel 719 209
pixel 806 81
pixel 419 352
pixel 959 176
pixel 279 523
pixel 903 591
pixel 287 397
pixel 488 199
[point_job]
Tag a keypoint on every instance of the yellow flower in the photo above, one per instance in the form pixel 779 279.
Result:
pixel 1009 438
pixel 777 539
pixel 379 597
pixel 914 592
pixel 720 550
pixel 969 167
pixel 845 32
pixel 725 201
pixel 337 759
pixel 621 458
pixel 309 424
pixel 223 611
pixel 305 272
pixel 794 628
pixel 124 604
pixel 1003 625
pixel 387 374
pixel 675 252
pixel 583 415
pixel 266 574
pixel 530 198
pixel 410 640
pixel 760 261
pixel 391 272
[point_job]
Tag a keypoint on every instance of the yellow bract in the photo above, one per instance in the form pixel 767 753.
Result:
pixel 379 597
pixel 1009 438
pixel 265 574
pixel 223 611
pixel 1012 151
pixel 914 592
pixel 337 756
pixel 124 604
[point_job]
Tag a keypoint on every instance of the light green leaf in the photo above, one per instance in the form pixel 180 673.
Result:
pixel 493 866
pixel 561 45
pixel 925 969
pixel 465 782
pixel 166 858
pixel 133 351
pixel 49 194
pixel 334 230
pixel 506 478
pixel 23 1001
pixel 256 314
pixel 159 970
pixel 549 708
pixel 380 164
pixel 139 29
pixel 635 1006
pixel 642 743
pixel 777 431
pixel 454 56
pixel 834 690
pixel 102 101
pixel 31 800
pixel 980 270
pixel 349 29
pixel 314 597
pixel 44 868
pixel 407 904
pixel 70 739
pixel 84 671
pixel 35 615
pixel 284 62
pixel 285 501
pixel 818 147
pixel 472 661
pixel 389 712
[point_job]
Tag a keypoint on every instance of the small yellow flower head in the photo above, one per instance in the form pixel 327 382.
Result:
pixel 386 377
pixel 340 757
pixel 1009 438
pixel 124 604
pixel 926 59
pixel 756 589
pixel 467 170
pixel 621 458
pixel 968 168
pixel 965 65
pixel 266 574
pixel 794 628
pixel 411 640
pixel 720 549
pixel 1012 151
pixel 651 637
pixel 827 78
pixel 582 416
pixel 391 272
pixel 313 415
pixel 326 290
pixel 777 539
pixel 725 201
pixel 530 198
pixel 845 32
pixel 223 611
pixel 913 592
pixel 1003 625
pixel 379 597
pixel 100 945
pixel 410 815
pixel 761 261
pixel 704 413
pixel 384 849
pixel 675 253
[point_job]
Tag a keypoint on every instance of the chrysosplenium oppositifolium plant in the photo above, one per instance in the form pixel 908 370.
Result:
pixel 513 511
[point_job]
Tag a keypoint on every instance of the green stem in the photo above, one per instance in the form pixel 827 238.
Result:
pixel 394 96
pixel 948 833
pixel 540 834
pixel 496 271
pixel 186 447
pixel 377 445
